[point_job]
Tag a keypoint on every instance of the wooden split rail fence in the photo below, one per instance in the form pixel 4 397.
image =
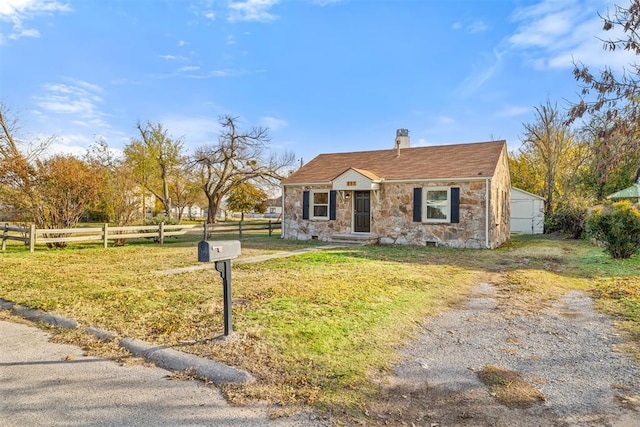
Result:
pixel 31 235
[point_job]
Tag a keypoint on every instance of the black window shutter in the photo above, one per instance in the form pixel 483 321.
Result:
pixel 455 204
pixel 305 205
pixel 417 204
pixel 332 204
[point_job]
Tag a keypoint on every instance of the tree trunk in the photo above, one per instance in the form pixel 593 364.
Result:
pixel 213 209
pixel 166 199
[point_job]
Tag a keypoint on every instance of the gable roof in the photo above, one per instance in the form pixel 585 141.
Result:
pixel 628 193
pixel 473 160
pixel 531 195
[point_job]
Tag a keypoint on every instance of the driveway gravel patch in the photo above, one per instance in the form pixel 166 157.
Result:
pixel 566 350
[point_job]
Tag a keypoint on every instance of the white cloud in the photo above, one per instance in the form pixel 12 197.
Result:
pixel 196 131
pixel 477 27
pixel 473 28
pixel 513 111
pixel 480 74
pixel 554 34
pixel 445 120
pixel 210 15
pixel 326 2
pixel 67 144
pixel 188 68
pixel 272 123
pixel 251 10
pixel 17 12
pixel 76 97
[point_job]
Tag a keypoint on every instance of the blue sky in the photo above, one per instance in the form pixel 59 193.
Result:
pixel 323 75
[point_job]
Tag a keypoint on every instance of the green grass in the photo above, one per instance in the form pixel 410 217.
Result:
pixel 316 328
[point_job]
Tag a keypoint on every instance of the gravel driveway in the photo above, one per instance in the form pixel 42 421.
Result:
pixel 566 350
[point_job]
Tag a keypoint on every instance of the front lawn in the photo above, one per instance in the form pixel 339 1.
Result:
pixel 317 328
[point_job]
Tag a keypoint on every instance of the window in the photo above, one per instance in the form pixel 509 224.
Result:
pixel 436 204
pixel 320 205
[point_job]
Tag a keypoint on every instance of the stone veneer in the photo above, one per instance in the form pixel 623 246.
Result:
pixel 392 214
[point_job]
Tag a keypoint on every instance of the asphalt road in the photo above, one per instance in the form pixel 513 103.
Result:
pixel 49 384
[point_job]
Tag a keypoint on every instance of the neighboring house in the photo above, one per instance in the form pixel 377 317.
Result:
pixel 449 195
pixel 631 193
pixel 527 212
pixel 274 208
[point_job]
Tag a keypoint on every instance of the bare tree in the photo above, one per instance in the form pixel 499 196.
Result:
pixel 238 157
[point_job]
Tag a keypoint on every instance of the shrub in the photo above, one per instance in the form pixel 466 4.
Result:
pixel 156 220
pixel 617 226
pixel 568 217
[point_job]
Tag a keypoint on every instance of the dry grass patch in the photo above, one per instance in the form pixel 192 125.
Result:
pixel 509 388
pixel 310 328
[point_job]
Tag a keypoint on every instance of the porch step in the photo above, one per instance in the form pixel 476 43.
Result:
pixel 354 239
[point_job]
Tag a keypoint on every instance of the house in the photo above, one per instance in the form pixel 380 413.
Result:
pixel 527 212
pixel 449 195
pixel 274 208
pixel 631 193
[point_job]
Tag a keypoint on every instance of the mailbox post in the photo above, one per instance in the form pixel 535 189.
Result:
pixel 221 252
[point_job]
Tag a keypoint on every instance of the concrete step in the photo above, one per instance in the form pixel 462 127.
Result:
pixel 354 239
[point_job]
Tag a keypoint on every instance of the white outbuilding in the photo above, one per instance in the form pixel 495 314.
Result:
pixel 527 212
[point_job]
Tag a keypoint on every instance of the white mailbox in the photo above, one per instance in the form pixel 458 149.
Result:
pixel 218 250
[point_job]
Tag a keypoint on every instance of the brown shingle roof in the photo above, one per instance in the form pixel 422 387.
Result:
pixel 436 162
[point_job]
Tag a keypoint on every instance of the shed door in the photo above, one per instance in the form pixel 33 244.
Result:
pixel 362 211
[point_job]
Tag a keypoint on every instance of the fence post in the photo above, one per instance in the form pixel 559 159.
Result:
pixel 4 236
pixel 105 233
pixel 240 229
pixel 270 228
pixel 32 237
pixel 162 233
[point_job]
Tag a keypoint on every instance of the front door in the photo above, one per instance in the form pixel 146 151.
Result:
pixel 362 211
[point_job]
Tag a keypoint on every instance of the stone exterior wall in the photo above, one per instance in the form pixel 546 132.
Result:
pixel 500 218
pixel 392 214
pixel 296 228
pixel 394 220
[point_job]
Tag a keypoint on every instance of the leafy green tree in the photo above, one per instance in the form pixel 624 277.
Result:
pixel 610 165
pixel 549 157
pixel 617 226
pixel 185 191
pixel 245 197
pixel 155 158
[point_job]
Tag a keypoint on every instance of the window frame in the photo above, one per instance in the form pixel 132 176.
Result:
pixel 425 204
pixel 313 204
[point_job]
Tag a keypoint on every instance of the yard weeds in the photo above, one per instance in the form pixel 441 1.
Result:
pixel 310 328
pixel 509 388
